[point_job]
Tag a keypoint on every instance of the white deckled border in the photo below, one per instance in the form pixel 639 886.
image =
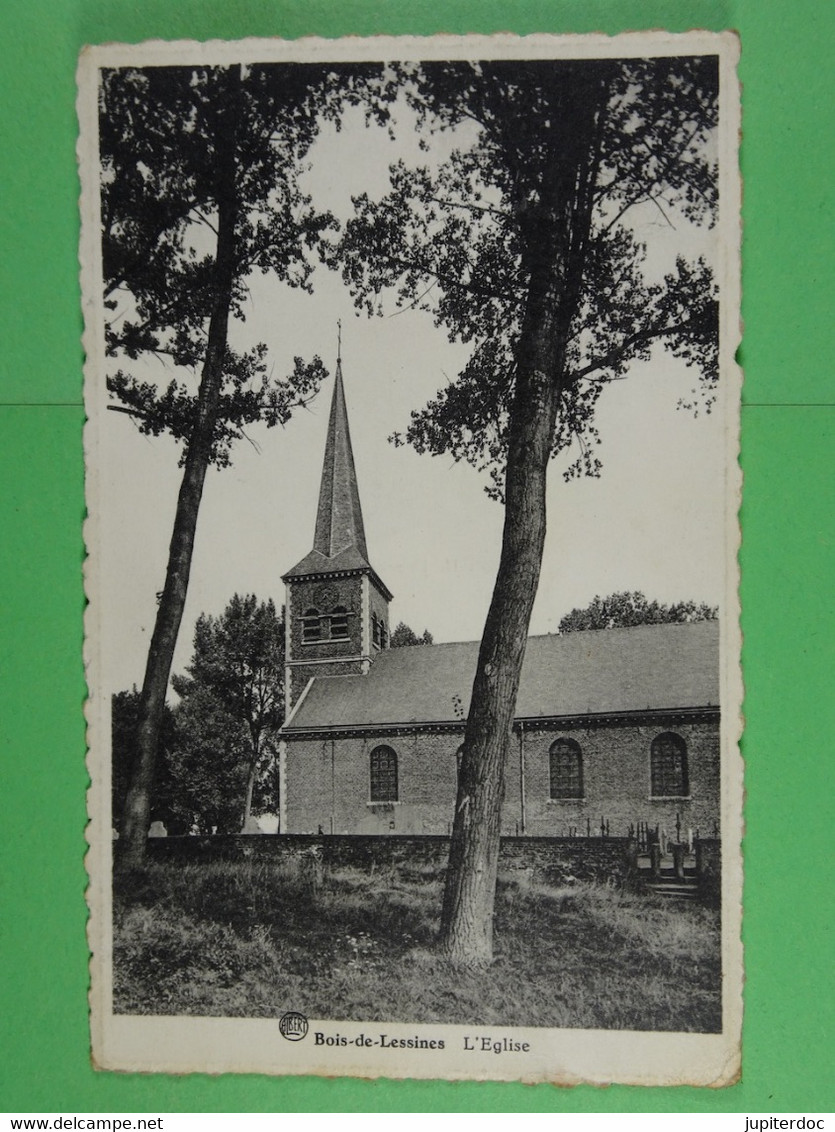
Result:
pixel 215 1045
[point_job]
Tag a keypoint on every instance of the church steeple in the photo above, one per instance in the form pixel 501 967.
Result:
pixel 336 606
pixel 339 517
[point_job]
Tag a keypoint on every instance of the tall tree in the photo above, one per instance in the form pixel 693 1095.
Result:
pixel 199 189
pixel 123 716
pixel 232 702
pixel 404 635
pixel 208 765
pixel 521 244
pixel 620 610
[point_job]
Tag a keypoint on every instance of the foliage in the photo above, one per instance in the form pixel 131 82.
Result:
pixel 209 764
pixel 404 635
pixel 124 714
pixel 231 707
pixel 624 609
pixel 161 129
pixel 461 241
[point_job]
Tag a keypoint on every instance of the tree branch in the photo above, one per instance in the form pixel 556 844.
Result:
pixel 631 343
pixel 203 219
pixel 178 216
pixel 668 161
pixel 629 204
pixel 128 411
pixel 657 204
pixel 471 207
pixel 440 277
pixel 415 301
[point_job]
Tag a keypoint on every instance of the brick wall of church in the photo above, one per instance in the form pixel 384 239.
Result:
pixel 616 780
pixel 327 783
pixel 323 596
pixel 379 608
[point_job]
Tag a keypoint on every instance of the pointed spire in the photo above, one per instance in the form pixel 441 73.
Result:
pixel 339 517
pixel 339 540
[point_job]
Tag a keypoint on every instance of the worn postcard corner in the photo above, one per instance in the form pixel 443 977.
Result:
pixel 413 631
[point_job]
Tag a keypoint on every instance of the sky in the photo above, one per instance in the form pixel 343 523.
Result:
pixel 654 521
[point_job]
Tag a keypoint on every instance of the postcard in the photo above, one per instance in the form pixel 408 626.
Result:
pixel 413 632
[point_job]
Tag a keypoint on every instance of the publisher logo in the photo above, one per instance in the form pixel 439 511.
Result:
pixel 293 1026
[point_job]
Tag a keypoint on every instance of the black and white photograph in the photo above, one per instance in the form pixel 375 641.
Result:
pixel 413 641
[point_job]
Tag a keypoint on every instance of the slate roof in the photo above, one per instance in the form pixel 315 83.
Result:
pixel 317 563
pixel 648 667
pixel 339 538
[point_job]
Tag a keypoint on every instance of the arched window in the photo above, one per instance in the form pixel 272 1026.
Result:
pixel 384 637
pixel 311 626
pixel 566 766
pixel 339 623
pixel 668 766
pixel 375 630
pixel 383 775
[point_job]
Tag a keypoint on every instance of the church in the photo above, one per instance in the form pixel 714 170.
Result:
pixel 613 727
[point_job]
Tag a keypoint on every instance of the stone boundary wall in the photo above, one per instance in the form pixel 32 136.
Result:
pixel 709 869
pixel 609 860
pixel 559 860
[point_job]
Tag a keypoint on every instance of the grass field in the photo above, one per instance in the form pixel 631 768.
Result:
pixel 252 938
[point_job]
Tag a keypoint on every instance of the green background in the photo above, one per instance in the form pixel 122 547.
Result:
pixel 787 516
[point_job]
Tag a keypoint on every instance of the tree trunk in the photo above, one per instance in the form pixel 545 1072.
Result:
pixel 250 787
pixel 170 612
pixel 557 242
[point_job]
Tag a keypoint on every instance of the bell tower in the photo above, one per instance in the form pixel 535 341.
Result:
pixel 336 606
